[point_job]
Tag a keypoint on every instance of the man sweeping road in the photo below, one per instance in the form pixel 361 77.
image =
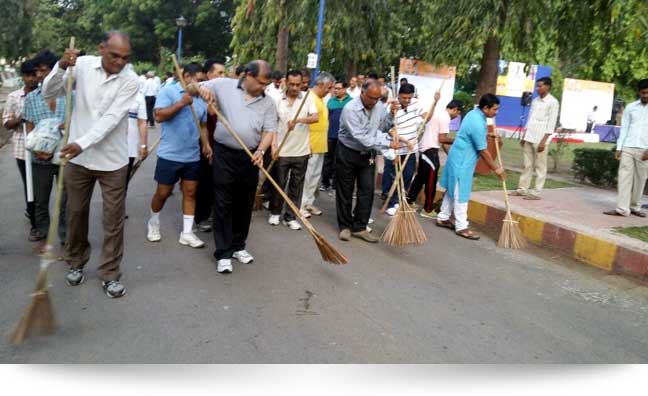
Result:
pixel 97 151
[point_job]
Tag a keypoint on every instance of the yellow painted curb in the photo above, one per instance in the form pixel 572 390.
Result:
pixel 595 251
pixel 477 212
pixel 531 228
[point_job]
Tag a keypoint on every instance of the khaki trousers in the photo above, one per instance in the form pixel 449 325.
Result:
pixel 533 161
pixel 632 180
pixel 79 183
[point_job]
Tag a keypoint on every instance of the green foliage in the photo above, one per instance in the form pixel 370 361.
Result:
pixel 466 98
pixel 599 167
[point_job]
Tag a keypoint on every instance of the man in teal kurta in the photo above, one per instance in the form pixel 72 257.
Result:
pixel 457 177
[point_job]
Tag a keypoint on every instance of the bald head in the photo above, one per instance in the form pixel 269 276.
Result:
pixel 371 93
pixel 115 50
pixel 257 77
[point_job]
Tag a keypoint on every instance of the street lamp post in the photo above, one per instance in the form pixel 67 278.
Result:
pixel 181 22
pixel 318 45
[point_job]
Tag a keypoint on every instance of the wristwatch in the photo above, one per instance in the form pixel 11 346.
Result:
pixel 143 146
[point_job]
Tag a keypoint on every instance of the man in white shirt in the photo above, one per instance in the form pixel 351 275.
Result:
pixel 354 89
pixel 150 90
pixel 274 90
pixel 542 124
pixel 591 119
pixel 97 150
pixel 292 161
pixel 632 151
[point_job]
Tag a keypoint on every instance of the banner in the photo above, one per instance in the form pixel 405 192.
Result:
pixel 578 100
pixel 427 79
pixel 514 78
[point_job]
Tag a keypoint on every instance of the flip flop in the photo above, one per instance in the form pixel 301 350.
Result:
pixel 445 224
pixel 613 213
pixel 468 234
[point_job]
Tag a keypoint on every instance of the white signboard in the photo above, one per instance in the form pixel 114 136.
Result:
pixel 579 98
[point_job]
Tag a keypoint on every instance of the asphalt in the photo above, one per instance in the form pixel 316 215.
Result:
pixel 449 301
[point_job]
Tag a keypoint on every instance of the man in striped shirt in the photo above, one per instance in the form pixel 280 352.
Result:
pixel 406 121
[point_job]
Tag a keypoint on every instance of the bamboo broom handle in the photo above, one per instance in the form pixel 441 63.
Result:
pixel 499 160
pixel 397 161
pixel 184 86
pixel 56 214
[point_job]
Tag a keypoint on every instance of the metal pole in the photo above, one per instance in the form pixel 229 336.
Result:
pixel 320 27
pixel 179 52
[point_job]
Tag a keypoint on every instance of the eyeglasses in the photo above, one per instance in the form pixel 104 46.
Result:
pixel 265 84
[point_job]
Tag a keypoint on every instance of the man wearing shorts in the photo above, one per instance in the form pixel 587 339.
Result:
pixel 179 153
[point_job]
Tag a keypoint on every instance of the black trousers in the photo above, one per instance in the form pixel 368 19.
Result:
pixel 44 176
pixel 204 192
pixel 353 168
pixel 328 172
pixel 266 188
pixel 426 176
pixel 150 103
pixel 29 205
pixel 235 181
pixel 291 171
pixel 131 162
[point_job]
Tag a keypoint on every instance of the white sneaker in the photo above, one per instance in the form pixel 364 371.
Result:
pixel 153 234
pixel 190 239
pixel 243 256
pixel 224 266
pixel 292 224
pixel 305 213
pixel 370 221
pixel 392 211
pixel 369 229
pixel 274 220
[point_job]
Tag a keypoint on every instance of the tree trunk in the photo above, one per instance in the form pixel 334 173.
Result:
pixel 350 70
pixel 488 73
pixel 281 58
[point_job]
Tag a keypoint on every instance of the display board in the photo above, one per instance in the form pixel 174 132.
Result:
pixel 579 98
pixel 427 79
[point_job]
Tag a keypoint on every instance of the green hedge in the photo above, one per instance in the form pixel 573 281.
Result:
pixel 597 166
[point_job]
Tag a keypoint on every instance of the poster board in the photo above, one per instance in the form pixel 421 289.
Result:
pixel 578 99
pixel 514 78
pixel 427 79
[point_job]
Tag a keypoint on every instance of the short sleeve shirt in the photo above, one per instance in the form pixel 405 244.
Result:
pixel 298 142
pixel 319 130
pixel 440 123
pixel 180 136
pixel 137 111
pixel 248 118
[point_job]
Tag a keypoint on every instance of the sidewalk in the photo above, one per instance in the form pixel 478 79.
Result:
pixel 571 220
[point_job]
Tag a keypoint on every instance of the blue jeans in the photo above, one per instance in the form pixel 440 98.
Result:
pixel 390 173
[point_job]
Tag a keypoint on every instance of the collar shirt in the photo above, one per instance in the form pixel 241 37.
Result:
pixel 249 118
pixel 362 129
pixel 634 127
pixel 543 117
pixel 14 108
pixel 99 121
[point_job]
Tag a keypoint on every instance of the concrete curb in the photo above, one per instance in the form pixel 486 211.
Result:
pixel 585 248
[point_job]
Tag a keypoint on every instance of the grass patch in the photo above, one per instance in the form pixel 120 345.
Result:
pixel 640 233
pixel 492 182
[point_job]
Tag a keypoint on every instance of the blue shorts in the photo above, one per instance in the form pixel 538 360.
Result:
pixel 169 172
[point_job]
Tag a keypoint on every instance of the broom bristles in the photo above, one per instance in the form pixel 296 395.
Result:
pixel 328 252
pixel 404 229
pixel 511 236
pixel 39 317
pixel 258 201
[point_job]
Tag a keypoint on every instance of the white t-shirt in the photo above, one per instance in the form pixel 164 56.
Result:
pixel 407 122
pixel 355 92
pixel 273 92
pixel 298 142
pixel 440 123
pixel 137 111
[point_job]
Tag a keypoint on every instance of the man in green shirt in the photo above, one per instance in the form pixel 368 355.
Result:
pixel 335 106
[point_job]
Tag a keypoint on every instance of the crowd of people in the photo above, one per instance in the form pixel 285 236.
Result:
pixel 324 137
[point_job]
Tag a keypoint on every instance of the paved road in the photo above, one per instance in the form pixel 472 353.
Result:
pixel 450 301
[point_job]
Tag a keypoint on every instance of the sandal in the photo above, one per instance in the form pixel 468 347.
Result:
pixel 468 234
pixel 638 213
pixel 613 213
pixel 445 224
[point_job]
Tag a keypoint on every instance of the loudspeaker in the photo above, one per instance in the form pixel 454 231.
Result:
pixel 525 100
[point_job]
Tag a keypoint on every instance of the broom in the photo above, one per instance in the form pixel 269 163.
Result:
pixel 328 252
pixel 404 228
pixel 511 236
pixel 258 198
pixel 419 134
pixel 39 317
